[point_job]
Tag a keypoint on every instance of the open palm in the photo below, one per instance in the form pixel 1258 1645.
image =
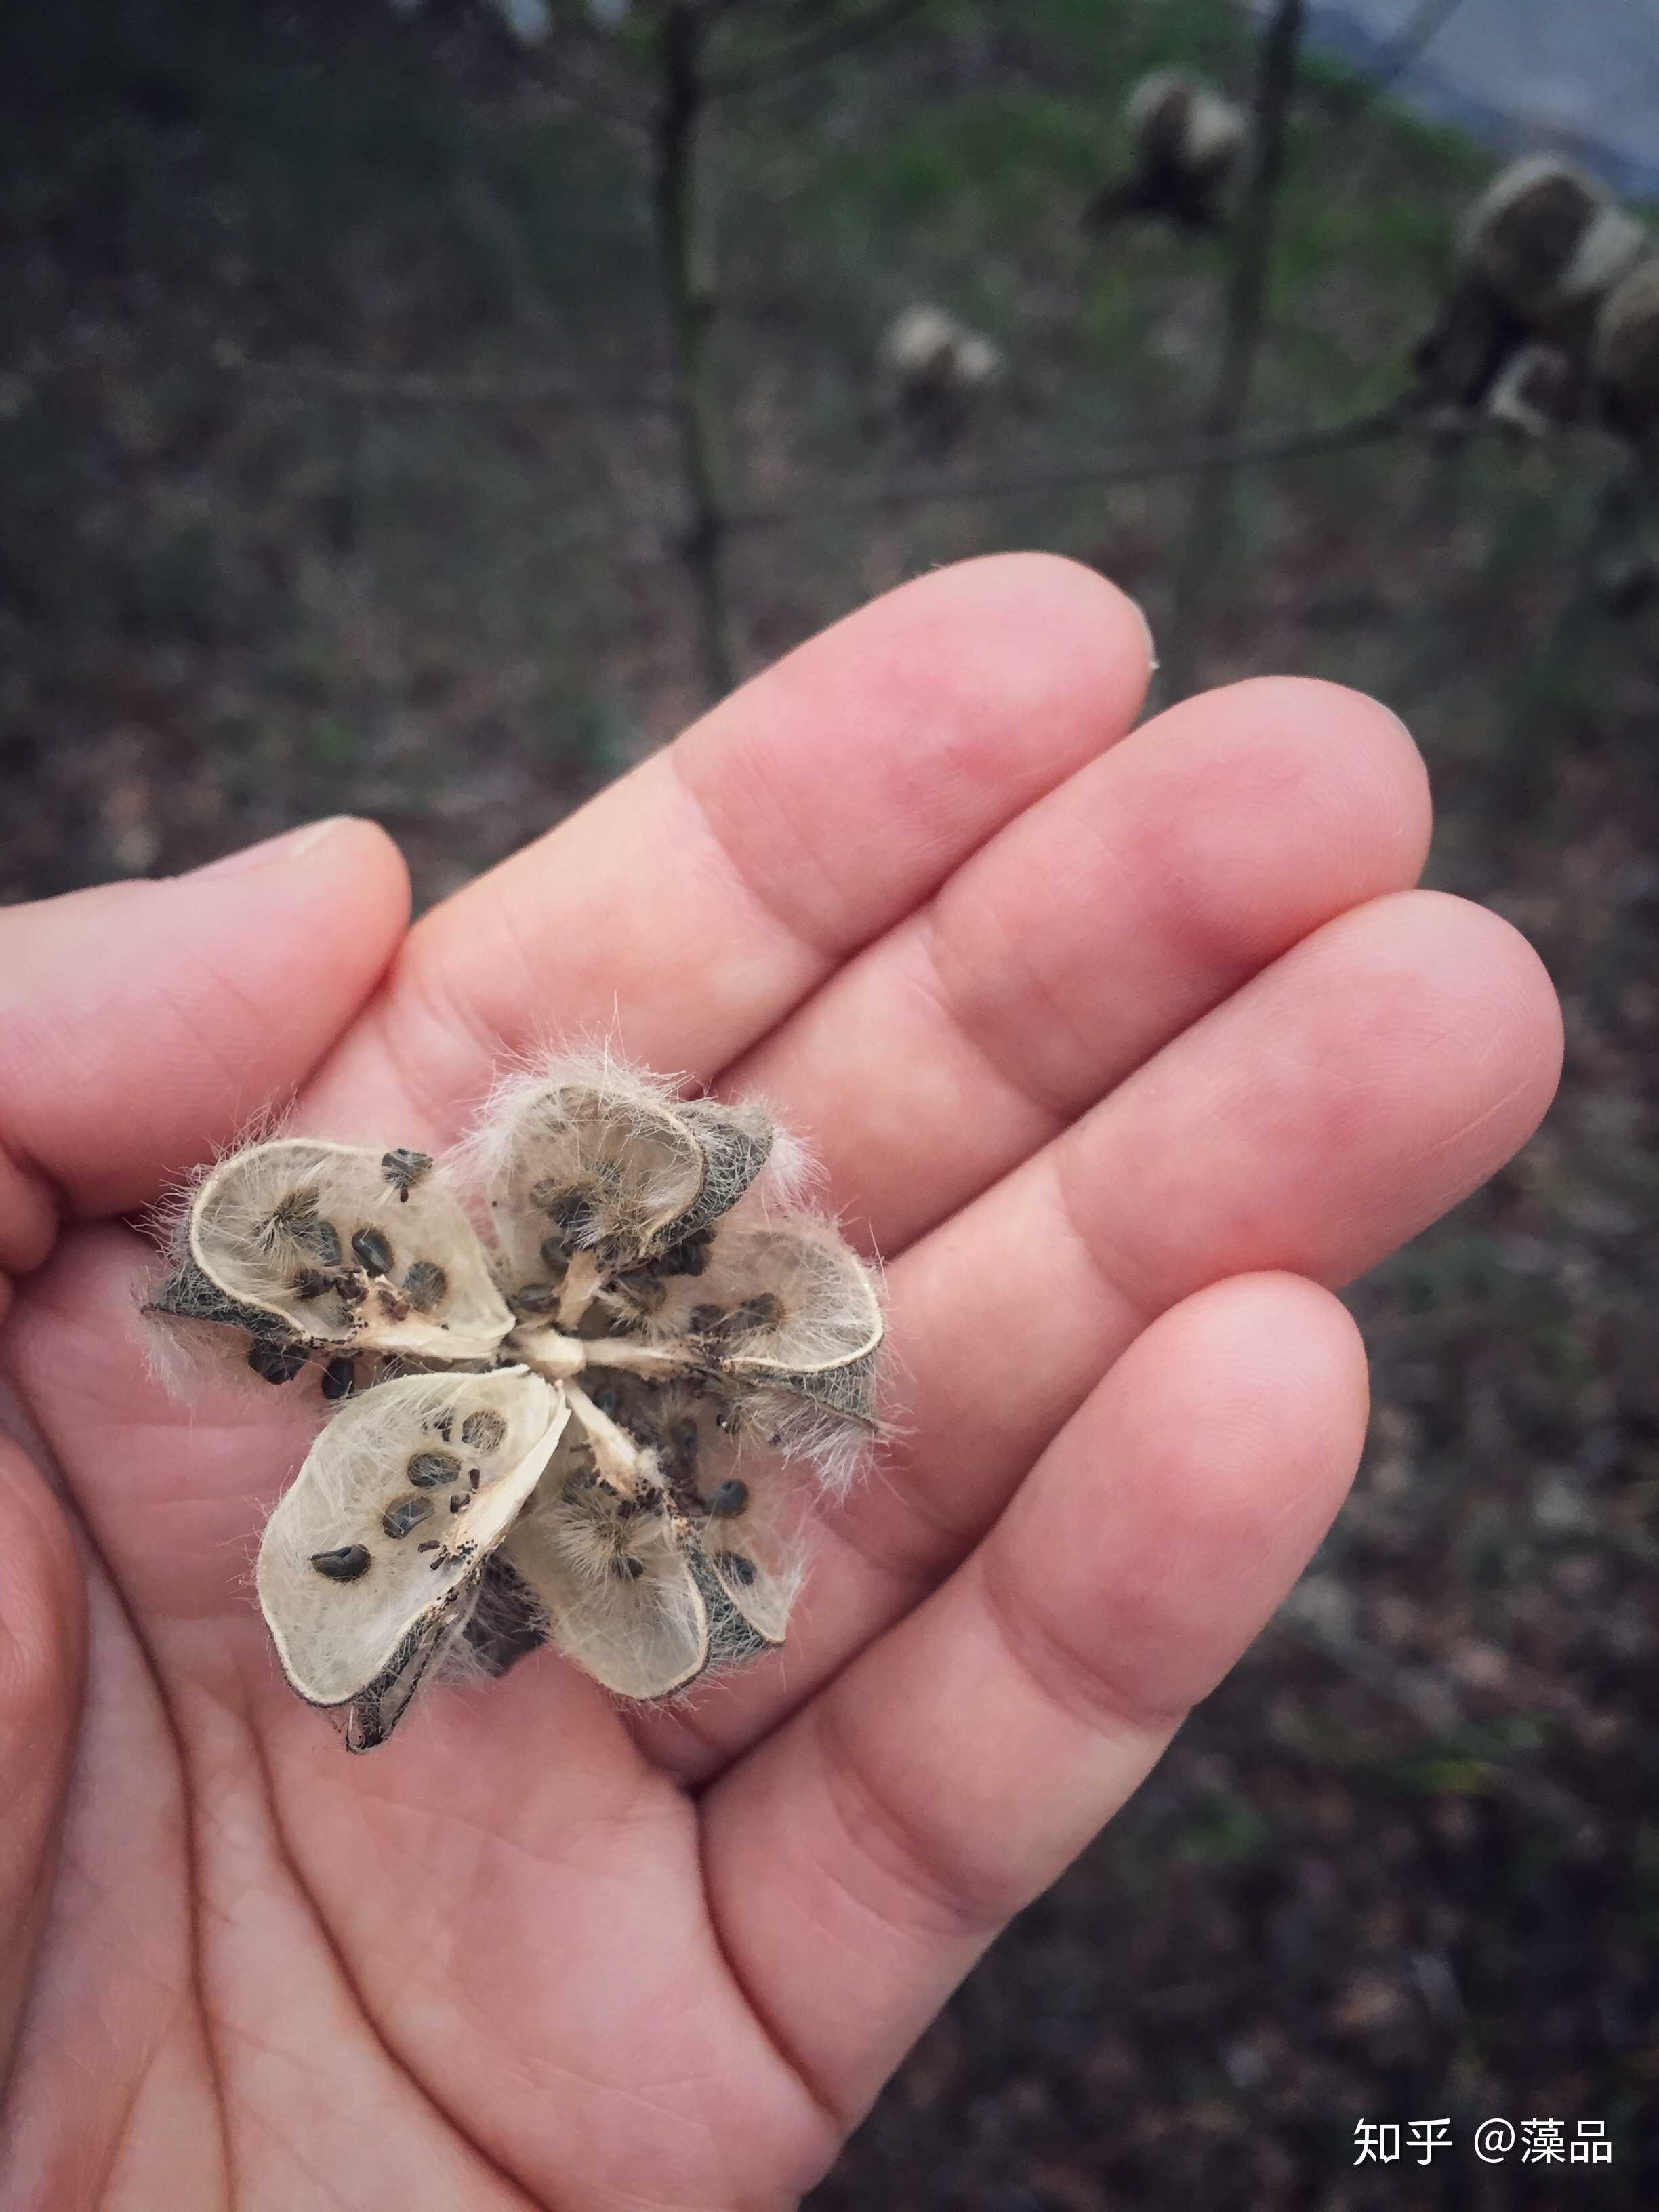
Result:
pixel 1120 1049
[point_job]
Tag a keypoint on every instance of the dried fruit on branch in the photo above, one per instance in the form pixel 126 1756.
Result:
pixel 1187 145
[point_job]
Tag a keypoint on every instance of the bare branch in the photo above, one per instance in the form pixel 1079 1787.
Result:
pixel 680 44
pixel 1416 34
pixel 1132 464
pixel 1247 300
pixel 422 387
pixel 810 53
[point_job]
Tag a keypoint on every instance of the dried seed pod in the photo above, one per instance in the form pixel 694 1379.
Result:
pixel 680 1346
pixel 749 1561
pixel 375 1711
pixel 593 1170
pixel 791 1343
pixel 255 1228
pixel 1548 244
pixel 736 1142
pixel 1625 355
pixel 642 1634
pixel 339 1639
pixel 744 1521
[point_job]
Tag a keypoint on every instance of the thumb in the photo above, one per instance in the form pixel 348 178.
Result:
pixel 146 1021
pixel 142 1023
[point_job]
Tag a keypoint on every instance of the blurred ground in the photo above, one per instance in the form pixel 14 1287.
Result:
pixel 336 476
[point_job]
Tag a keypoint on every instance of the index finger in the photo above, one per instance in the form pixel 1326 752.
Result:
pixel 693 903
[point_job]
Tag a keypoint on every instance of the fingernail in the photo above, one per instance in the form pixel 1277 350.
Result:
pixel 287 846
pixel 1151 642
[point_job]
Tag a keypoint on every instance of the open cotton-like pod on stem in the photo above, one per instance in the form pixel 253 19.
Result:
pixel 1549 244
pixel 1187 144
pixel 936 374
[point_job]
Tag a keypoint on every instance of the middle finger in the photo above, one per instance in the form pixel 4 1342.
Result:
pixel 1091 930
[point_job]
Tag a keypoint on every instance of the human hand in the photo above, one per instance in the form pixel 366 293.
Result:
pixel 1121 1049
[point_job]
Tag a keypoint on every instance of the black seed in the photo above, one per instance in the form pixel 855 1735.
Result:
pixel 402 1169
pixel 460 1501
pixel 643 1288
pixel 406 1514
pixel 434 1546
pixel 425 1286
pixel 343 1565
pixel 373 1250
pixel 730 1499
pixel 275 1362
pixel 680 1449
pixel 323 1238
pixel 310 1283
pixel 688 1257
pixel 571 1211
pixel 297 1213
pixel 472 1476
pixel 339 1379
pixel 739 1566
pixel 627 1568
pixel 482 1432
pixel 555 1255
pixel 535 1298
pixel 764 1312
pixel 431 1470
